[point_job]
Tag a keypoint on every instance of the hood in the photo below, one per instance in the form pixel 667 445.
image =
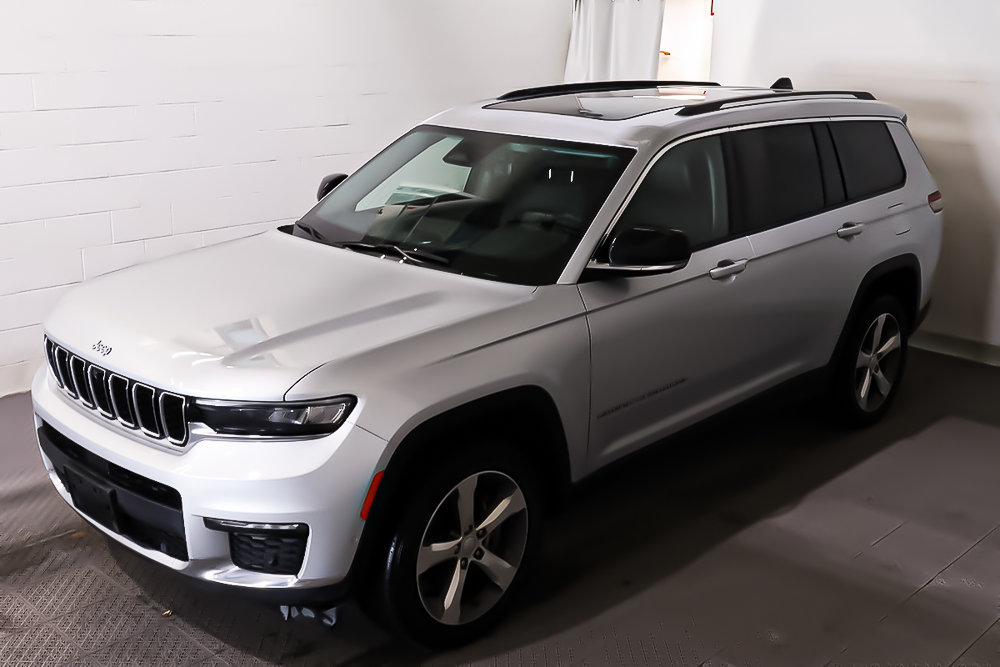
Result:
pixel 247 319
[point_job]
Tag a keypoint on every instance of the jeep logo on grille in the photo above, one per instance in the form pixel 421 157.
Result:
pixel 100 348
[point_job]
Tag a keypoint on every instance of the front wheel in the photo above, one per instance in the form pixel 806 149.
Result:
pixel 460 546
pixel 871 367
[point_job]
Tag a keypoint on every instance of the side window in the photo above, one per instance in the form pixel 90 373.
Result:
pixel 779 173
pixel 685 190
pixel 868 157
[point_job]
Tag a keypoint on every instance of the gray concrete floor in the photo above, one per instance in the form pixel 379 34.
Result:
pixel 764 538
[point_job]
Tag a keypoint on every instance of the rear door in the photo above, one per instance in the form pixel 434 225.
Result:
pixel 816 203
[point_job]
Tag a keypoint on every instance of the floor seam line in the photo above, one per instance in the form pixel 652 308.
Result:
pixel 973 642
pixel 938 573
pixel 900 525
pixel 922 587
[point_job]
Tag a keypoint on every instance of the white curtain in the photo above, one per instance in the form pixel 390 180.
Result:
pixel 614 39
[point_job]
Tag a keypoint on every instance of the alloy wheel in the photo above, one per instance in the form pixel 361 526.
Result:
pixel 472 547
pixel 877 365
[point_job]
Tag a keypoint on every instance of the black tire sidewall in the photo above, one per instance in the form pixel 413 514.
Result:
pixel 399 597
pixel 852 413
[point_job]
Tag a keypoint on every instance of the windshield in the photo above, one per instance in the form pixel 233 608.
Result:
pixel 494 206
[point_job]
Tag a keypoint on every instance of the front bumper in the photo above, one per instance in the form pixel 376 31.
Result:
pixel 319 482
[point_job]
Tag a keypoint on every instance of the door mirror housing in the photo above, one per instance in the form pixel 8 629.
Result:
pixel 641 249
pixel 329 183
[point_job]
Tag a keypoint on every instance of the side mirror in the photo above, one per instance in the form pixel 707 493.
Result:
pixel 643 250
pixel 329 183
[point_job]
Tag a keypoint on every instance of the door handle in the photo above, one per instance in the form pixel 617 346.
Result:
pixel 849 229
pixel 726 268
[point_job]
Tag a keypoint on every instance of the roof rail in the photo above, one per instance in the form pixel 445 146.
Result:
pixel 715 105
pixel 593 87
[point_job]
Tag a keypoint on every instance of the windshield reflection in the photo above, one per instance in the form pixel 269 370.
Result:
pixel 488 205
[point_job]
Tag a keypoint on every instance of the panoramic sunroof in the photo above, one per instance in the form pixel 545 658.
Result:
pixel 615 105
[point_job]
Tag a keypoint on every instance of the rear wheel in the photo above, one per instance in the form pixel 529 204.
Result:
pixel 460 546
pixel 871 366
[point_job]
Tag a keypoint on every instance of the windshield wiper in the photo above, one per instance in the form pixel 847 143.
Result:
pixel 414 255
pixel 312 231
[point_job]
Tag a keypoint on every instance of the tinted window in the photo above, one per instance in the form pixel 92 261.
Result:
pixel 868 157
pixel 779 172
pixel 489 205
pixel 685 190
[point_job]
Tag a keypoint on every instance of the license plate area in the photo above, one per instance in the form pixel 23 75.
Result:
pixel 94 498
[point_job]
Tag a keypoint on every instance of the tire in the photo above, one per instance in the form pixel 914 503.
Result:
pixel 441 586
pixel 867 383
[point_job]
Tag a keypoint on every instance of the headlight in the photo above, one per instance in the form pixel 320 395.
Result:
pixel 278 419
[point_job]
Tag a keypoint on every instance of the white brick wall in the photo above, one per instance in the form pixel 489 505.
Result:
pixel 133 130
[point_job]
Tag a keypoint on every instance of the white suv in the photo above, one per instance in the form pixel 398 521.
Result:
pixel 383 398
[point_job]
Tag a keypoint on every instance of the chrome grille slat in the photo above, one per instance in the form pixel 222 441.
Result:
pixel 158 414
pixel 50 354
pixel 98 379
pixel 173 417
pixel 65 377
pixel 144 403
pixel 121 403
pixel 78 369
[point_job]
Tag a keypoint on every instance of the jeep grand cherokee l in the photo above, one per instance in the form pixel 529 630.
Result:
pixel 382 398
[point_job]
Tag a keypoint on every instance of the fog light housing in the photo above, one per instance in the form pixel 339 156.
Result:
pixel 270 548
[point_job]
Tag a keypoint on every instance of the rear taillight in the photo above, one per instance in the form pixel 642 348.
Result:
pixel 935 201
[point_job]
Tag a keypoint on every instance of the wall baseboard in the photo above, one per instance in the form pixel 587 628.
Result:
pixel 957 347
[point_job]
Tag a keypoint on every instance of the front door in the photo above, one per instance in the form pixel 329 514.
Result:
pixel 671 348
pixel 667 349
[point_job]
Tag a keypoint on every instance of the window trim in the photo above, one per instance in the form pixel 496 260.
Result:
pixel 737 187
pixel 734 188
pixel 616 218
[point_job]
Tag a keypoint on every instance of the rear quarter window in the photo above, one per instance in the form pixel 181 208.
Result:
pixel 868 157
